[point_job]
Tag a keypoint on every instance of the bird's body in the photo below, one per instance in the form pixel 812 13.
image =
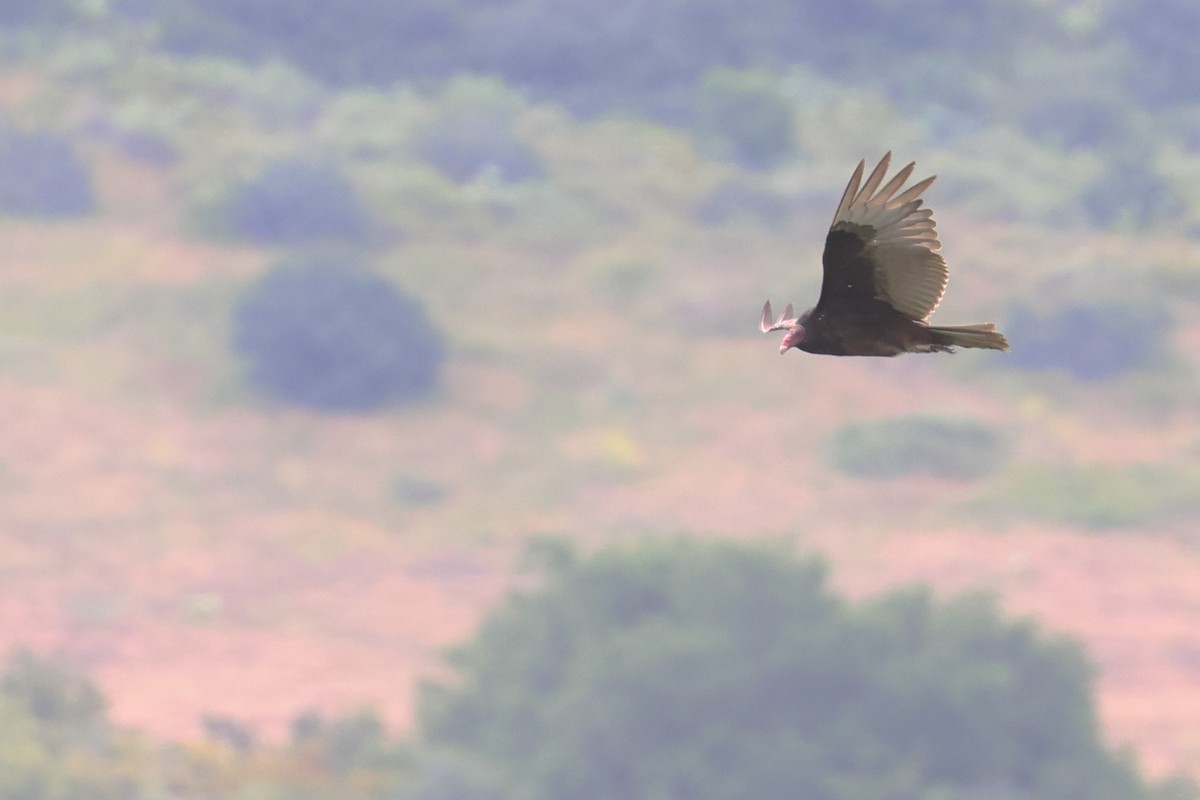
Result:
pixel 883 277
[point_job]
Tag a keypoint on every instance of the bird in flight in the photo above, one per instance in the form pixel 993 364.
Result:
pixel 883 277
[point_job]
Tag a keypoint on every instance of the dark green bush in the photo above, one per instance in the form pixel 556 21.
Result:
pixel 328 336
pixel 34 13
pixel 417 492
pixel 52 694
pixel 233 733
pixel 1166 49
pixel 890 448
pixel 641 55
pixel 56 742
pixel 1130 192
pixel 464 144
pixel 1100 497
pixel 742 115
pixel 1090 342
pixel 735 200
pixel 40 175
pixel 147 147
pixel 348 42
pixel 714 671
pixel 294 201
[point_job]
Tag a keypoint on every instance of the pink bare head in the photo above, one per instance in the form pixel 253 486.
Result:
pixel 786 322
pixel 795 336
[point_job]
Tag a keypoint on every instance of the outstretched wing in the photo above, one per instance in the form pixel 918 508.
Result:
pixel 883 246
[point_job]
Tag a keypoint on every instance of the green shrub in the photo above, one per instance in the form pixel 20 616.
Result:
pixel 624 281
pixel 466 146
pixel 416 492
pixel 1130 192
pixel 1100 497
pixel 471 134
pixel 356 742
pixel 23 13
pixel 716 671
pixel 294 201
pixel 744 116
pixel 891 448
pixel 233 733
pixel 51 694
pixel 40 175
pixel 734 200
pixel 465 143
pixel 329 336
pixel 1090 342
pixel 55 739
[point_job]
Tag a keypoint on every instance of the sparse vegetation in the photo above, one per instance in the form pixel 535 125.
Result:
pixel 598 208
pixel 1099 497
pixel 292 202
pixel 960 449
pixel 42 176
pixel 417 492
pixel 472 135
pixel 744 116
pixel 734 672
pixel 734 200
pixel 468 146
pixel 1088 341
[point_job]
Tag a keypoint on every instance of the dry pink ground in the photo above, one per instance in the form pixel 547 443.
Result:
pixel 225 604
pixel 148 543
pixel 360 630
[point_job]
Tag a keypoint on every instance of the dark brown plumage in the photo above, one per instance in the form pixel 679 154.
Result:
pixel 883 277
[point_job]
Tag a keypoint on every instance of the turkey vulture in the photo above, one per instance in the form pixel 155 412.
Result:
pixel 883 277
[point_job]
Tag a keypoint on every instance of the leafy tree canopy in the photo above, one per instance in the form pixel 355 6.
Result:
pixel 330 336
pixel 41 175
pixel 714 670
pixel 292 202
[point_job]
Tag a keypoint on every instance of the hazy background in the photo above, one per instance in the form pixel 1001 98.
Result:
pixel 314 315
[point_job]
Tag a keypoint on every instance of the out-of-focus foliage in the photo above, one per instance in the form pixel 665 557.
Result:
pixel 53 695
pixel 417 492
pixel 1079 92
pixel 290 202
pixel 472 134
pixel 643 50
pixel 1099 497
pixel 1129 192
pixel 356 742
pixel 41 175
pixel 1091 342
pixel 230 731
pixel 739 675
pixel 1056 114
pixel 21 13
pixel 332 336
pixel 712 670
pixel 357 41
pixel 745 116
pixel 1165 46
pixel 56 743
pixel 1079 81
pixel 741 201
pixel 55 739
pixel 891 448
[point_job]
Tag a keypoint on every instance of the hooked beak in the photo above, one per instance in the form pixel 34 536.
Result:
pixel 794 337
pixel 786 322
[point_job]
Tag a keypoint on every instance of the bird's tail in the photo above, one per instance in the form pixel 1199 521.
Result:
pixel 983 335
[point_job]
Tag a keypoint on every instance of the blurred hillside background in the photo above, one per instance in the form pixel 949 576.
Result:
pixel 326 325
